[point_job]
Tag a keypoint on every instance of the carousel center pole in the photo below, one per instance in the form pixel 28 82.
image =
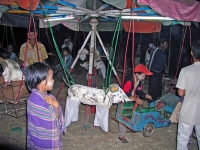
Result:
pixel 93 23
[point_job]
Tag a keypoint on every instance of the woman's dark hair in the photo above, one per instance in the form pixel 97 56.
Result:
pixel 196 49
pixel 4 54
pixel 139 73
pixel 66 48
pixel 35 74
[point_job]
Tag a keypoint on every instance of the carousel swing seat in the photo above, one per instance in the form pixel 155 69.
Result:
pixel 15 96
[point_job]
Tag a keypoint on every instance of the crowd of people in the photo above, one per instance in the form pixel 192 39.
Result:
pixel 45 114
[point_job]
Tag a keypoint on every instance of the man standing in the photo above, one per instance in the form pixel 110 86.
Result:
pixel 157 66
pixel 189 86
pixel 31 55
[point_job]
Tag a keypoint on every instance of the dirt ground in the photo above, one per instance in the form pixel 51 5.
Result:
pixel 93 138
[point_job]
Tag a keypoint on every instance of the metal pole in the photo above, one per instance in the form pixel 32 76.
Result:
pixel 107 56
pixel 79 52
pixel 93 23
pixel 63 84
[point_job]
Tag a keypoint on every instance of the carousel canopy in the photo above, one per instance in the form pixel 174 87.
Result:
pixel 76 14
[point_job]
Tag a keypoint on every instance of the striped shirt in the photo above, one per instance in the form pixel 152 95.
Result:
pixel 44 128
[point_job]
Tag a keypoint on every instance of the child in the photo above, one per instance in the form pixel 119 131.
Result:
pixel 67 57
pixel 13 56
pixel 11 75
pixel 131 82
pixel 45 118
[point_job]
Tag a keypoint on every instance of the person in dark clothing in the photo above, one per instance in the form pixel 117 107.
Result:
pixel 157 66
pixel 140 72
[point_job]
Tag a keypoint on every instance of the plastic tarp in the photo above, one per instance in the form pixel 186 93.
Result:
pixel 184 10
pixel 22 3
pixel 142 27
pixel 16 20
pixel 2 9
pixel 121 4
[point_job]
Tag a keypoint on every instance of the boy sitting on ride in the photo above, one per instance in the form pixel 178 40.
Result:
pixel 130 84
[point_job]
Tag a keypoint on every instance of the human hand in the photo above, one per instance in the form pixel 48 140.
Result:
pixel 138 101
pixel 148 97
pixel 52 101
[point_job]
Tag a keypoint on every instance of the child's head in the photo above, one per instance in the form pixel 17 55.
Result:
pixel 39 76
pixel 4 54
pixel 196 49
pixel 9 48
pixel 66 50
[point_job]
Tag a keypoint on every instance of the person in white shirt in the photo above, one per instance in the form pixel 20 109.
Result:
pixel 68 43
pixel 189 86
pixel 148 52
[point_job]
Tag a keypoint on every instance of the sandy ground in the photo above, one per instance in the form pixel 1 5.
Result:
pixel 93 138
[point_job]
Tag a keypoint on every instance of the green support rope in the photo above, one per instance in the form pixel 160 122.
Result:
pixel 13 39
pixel 3 36
pixel 68 78
pixel 6 37
pixel 112 54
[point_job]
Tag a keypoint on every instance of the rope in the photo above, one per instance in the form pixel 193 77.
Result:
pixel 13 39
pixel 125 54
pixel 192 61
pixel 170 39
pixel 133 65
pixel 6 36
pixel 74 43
pixel 48 38
pixel 113 58
pixel 181 49
pixel 30 22
pixel 158 38
pixel 68 78
pixel 112 53
pixel 3 37
pixel 25 55
pixel 35 33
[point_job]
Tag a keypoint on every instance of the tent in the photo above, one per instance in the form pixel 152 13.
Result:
pixel 16 13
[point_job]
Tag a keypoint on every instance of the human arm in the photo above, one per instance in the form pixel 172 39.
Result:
pixel 69 62
pixel 21 62
pixel 22 55
pixel 43 53
pixel 136 99
pixel 181 92
pixel 181 83
pixel 54 103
